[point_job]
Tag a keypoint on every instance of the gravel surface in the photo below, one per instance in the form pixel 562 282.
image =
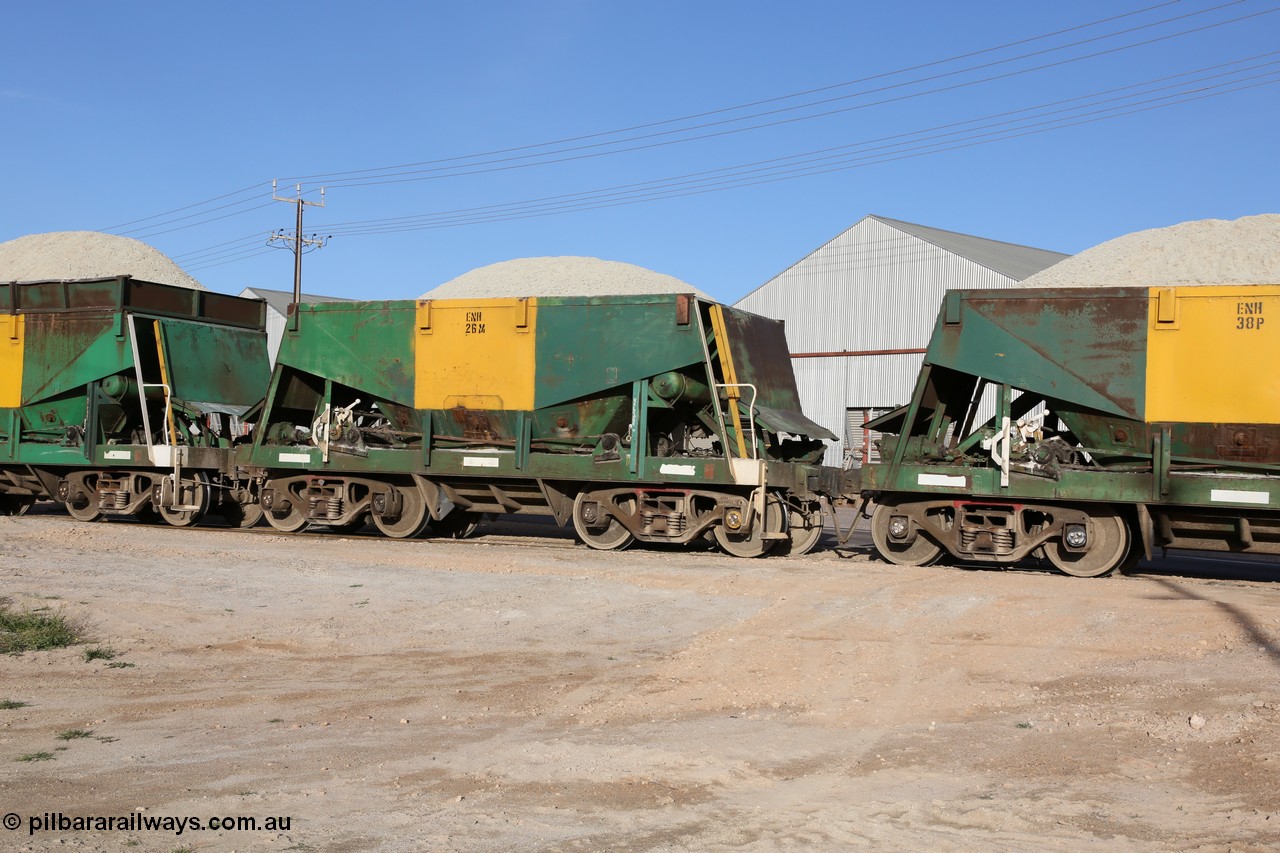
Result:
pixel 560 276
pixel 1210 251
pixel 521 693
pixel 62 255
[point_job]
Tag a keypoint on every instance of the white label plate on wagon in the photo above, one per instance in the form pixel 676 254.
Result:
pixel 480 462
pixel 1235 496
pixel 956 481
pixel 118 454
pixel 679 470
pixel 296 457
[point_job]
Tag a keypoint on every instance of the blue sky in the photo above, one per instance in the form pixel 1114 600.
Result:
pixel 168 121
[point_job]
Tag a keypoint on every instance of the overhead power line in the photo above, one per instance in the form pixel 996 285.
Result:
pixel 258 187
pixel 219 248
pixel 230 258
pixel 334 176
pixel 466 164
pixel 990 128
pixel 414 172
pixel 1003 126
pixel 902 146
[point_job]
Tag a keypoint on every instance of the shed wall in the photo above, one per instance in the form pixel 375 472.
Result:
pixel 873 287
pixel 830 386
pixel 275 331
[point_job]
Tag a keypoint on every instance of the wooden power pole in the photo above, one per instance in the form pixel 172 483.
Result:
pixel 299 244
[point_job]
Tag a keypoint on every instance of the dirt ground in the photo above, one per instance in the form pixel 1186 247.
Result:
pixel 523 693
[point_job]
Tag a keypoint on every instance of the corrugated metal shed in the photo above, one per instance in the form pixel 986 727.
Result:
pixel 853 304
pixel 278 310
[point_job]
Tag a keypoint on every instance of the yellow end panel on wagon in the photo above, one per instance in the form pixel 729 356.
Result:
pixel 475 353
pixel 1211 353
pixel 12 336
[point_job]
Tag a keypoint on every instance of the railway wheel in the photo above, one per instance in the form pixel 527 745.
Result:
pixel 458 524
pixel 193 493
pixel 84 505
pixel 1109 546
pixel 920 551
pixel 83 511
pixel 413 516
pixel 1135 555
pixel 147 514
pixel 804 528
pixel 16 504
pixel 241 515
pixel 287 520
pixel 753 543
pixel 612 536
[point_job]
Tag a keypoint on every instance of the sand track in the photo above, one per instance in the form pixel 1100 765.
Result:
pixel 488 696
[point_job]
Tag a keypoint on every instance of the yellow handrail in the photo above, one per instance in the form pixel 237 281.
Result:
pixel 164 378
pixel 730 374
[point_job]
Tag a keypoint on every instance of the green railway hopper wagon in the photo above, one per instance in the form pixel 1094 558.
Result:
pixel 1089 427
pixel 658 418
pixel 122 397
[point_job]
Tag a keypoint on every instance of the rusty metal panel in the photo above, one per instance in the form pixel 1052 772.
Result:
pixel 1084 347
pixel 64 296
pixel 124 293
pixel 64 352
pixel 215 364
pixel 761 358
pixel 365 345
pixel 75 333
pixel 589 346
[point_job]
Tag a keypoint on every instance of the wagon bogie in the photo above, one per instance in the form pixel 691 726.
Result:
pixel 1086 427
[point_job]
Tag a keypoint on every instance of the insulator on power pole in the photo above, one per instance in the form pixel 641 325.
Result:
pixel 298 241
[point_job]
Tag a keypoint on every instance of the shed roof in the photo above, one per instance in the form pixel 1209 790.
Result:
pixel 1009 259
pixel 279 300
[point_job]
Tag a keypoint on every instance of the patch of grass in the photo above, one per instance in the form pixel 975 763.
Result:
pixel 105 739
pixel 1025 725
pixel 11 704
pixel 276 720
pixel 99 653
pixel 35 756
pixel 31 631
pixel 362 603
pixel 356 585
pixel 120 664
pixel 75 734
